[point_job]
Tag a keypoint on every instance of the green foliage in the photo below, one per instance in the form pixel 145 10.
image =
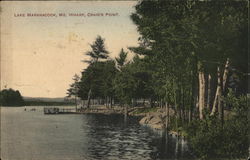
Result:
pixel 145 110
pixel 183 37
pixel 208 138
pixel 124 85
pixel 134 81
pixel 98 50
pixel 179 36
pixel 108 75
pixel 178 39
pixel 121 60
pixel 98 76
pixel 74 87
pixel 205 137
pixel 10 97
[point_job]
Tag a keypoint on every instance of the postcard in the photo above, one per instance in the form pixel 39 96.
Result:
pixel 137 80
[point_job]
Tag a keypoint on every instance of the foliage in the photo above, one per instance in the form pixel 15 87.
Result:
pixel 180 42
pixel 74 87
pixel 98 76
pixel 124 85
pixel 134 81
pixel 98 50
pixel 121 60
pixel 209 139
pixel 184 38
pixel 10 97
pixel 144 110
pixel 95 80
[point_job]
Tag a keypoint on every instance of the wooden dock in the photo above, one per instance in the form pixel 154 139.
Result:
pixel 57 110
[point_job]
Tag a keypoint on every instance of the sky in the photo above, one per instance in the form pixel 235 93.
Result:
pixel 40 55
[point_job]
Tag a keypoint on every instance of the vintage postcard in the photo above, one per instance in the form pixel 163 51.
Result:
pixel 136 80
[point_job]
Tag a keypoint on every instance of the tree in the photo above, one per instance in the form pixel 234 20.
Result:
pixel 10 97
pixel 108 75
pixel 121 60
pixel 98 50
pixel 124 85
pixel 190 38
pixel 193 44
pixel 97 79
pixel 74 88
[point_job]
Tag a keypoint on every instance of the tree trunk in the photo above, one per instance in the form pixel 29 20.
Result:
pixel 208 91
pixel 225 75
pixel 107 102
pixel 167 115
pixel 126 110
pixel 151 103
pixel 179 96
pixel 193 97
pixel 76 103
pixel 218 92
pixel 161 105
pixel 201 91
pixel 224 80
pixel 175 105
pixel 89 97
pixel 183 105
pixel 190 115
pixel 111 104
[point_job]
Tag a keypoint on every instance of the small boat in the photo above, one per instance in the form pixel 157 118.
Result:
pixel 33 109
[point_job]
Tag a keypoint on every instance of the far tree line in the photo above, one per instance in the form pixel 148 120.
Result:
pixel 10 97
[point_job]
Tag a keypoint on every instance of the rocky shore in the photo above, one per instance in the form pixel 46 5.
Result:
pixel 157 120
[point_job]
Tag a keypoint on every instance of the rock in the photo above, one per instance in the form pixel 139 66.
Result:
pixel 163 117
pixel 160 110
pixel 146 119
pixel 157 126
pixel 143 120
pixel 155 120
pixel 173 133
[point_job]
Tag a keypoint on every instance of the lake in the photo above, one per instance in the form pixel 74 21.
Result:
pixel 31 135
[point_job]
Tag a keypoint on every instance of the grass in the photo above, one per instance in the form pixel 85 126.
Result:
pixel 144 110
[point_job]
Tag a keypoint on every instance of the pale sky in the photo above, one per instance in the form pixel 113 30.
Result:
pixel 40 55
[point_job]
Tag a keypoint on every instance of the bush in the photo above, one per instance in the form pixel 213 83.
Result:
pixel 208 138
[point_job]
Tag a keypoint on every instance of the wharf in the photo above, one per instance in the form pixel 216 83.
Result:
pixel 57 110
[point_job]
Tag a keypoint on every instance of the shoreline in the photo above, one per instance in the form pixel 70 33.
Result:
pixel 155 120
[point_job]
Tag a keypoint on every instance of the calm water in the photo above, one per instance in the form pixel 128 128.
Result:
pixel 31 135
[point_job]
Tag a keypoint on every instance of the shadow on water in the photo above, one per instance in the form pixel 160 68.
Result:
pixel 33 135
pixel 122 137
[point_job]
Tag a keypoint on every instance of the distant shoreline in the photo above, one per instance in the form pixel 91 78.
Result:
pixel 44 103
pixel 41 104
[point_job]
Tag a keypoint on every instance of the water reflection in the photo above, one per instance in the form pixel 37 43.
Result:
pixel 33 135
pixel 126 139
